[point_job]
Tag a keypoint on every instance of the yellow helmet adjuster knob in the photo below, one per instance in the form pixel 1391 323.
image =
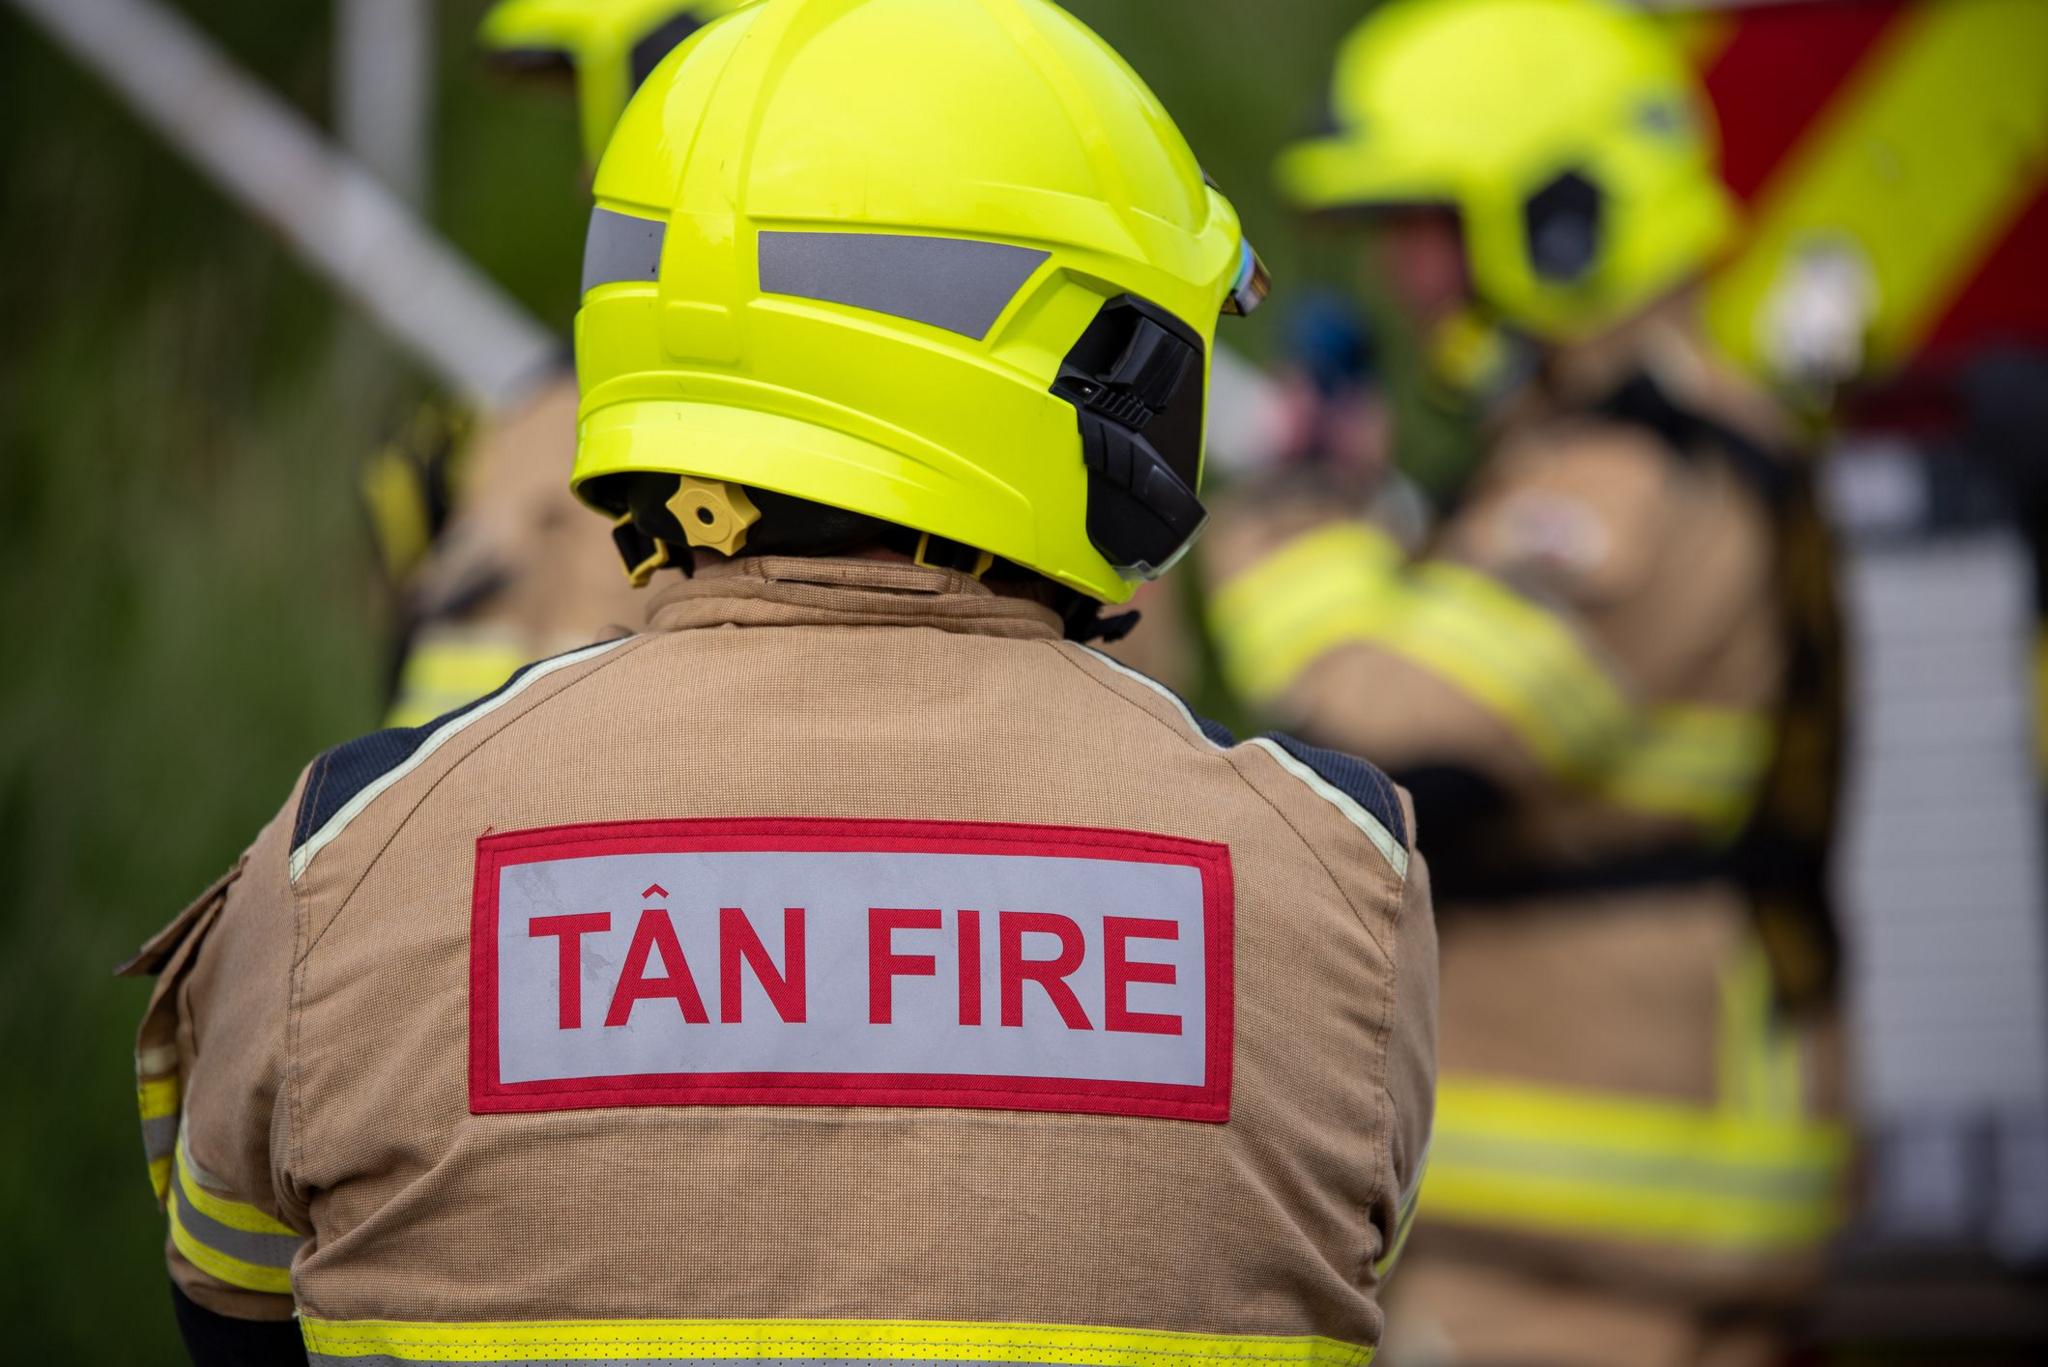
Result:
pixel 714 514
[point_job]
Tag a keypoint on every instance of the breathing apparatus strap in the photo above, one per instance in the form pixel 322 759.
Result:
pixel 1782 856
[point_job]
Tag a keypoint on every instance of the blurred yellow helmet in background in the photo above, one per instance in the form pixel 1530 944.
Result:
pixel 1570 136
pixel 608 46
pixel 947 264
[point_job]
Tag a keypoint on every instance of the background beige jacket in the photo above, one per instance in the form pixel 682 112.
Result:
pixel 1586 661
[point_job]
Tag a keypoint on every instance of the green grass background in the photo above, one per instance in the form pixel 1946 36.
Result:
pixel 188 609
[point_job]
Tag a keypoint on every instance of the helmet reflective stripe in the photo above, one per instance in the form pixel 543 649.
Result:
pixel 953 283
pixel 620 247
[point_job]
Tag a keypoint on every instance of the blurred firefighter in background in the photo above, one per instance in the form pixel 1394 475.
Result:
pixel 495 564
pixel 1610 676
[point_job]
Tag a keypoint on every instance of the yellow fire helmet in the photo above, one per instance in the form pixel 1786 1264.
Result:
pixel 607 46
pixel 937 265
pixel 1570 136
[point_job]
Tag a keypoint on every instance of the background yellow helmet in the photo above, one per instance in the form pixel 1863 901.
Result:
pixel 1570 136
pixel 609 46
pixel 946 264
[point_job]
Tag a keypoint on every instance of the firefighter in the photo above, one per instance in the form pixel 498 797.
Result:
pixel 1607 676
pixel 606 48
pixel 855 966
pixel 496 567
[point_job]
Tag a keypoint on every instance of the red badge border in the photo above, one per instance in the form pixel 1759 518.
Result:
pixel 1208 1103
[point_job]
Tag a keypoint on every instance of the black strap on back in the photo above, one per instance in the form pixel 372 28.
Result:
pixel 1457 809
pixel 1773 476
pixel 1782 857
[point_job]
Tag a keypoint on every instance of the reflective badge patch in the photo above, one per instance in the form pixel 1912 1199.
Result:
pixel 813 962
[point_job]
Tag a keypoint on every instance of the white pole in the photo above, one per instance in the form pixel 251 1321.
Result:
pixel 352 230
pixel 339 218
pixel 384 90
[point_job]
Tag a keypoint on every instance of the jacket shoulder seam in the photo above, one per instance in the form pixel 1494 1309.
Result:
pixel 1196 730
pixel 1376 813
pixel 315 827
pixel 603 660
pixel 1357 911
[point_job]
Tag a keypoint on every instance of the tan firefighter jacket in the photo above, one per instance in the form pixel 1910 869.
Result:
pixel 1586 660
pixel 846 969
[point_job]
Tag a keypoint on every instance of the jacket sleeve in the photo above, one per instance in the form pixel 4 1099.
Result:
pixel 1331 800
pixel 1511 654
pixel 1411 1057
pixel 211 1068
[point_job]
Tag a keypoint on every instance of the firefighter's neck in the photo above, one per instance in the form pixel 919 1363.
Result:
pixel 1664 340
pixel 1668 344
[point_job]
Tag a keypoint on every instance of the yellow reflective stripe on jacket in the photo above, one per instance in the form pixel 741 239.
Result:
pixel 1703 764
pixel 1753 1173
pixel 157 1098
pixel 1347 584
pixel 230 1240
pixel 401 522
pixel 451 668
pixel 1760 1066
pixel 1551 1161
pixel 1519 660
pixel 823 1342
pixel 1410 1203
pixel 1318 591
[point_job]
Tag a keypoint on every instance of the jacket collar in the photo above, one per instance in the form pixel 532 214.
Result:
pixel 770 590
